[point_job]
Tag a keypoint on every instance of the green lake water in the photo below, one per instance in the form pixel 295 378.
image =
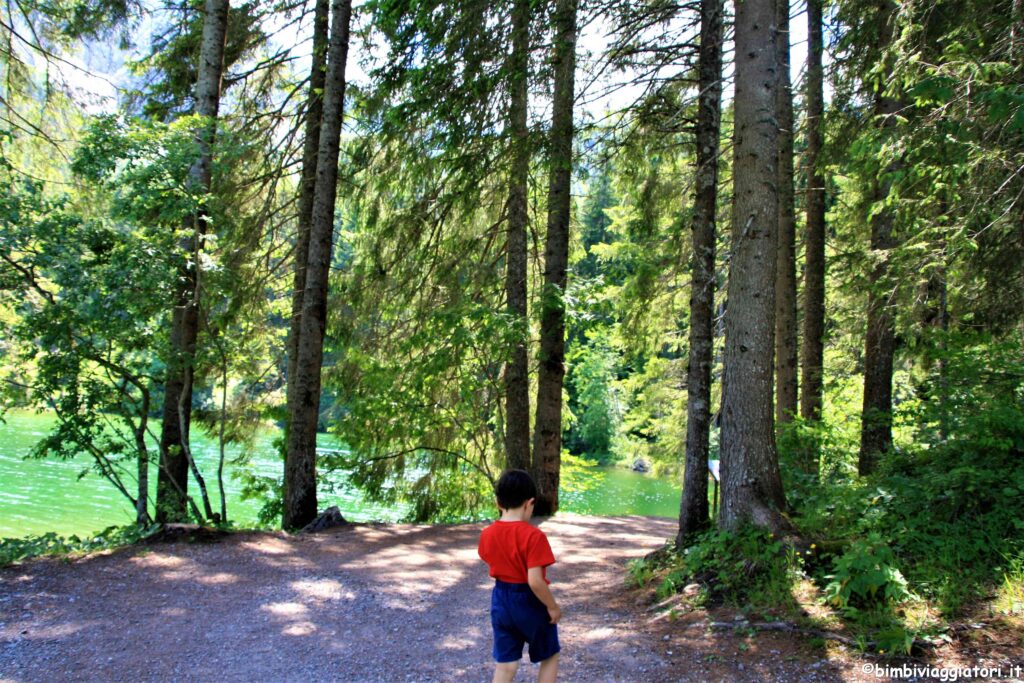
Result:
pixel 37 496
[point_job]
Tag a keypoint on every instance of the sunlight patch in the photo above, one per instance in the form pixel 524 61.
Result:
pixel 157 560
pixel 217 579
pixel 285 609
pixel 302 628
pixel 321 589
pixel 268 546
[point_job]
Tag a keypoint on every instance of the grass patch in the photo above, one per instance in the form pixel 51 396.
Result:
pixel 1010 594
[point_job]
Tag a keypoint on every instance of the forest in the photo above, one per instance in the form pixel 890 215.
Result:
pixel 462 236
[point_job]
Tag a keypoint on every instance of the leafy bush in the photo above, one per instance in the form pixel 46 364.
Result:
pixel 748 567
pixel 947 504
pixel 16 549
pixel 639 572
pixel 866 576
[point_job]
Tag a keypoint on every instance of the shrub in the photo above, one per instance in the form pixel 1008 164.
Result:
pixel 866 576
pixel 747 567
pixel 16 549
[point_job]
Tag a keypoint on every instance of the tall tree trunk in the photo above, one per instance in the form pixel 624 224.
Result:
pixel 517 379
pixel 314 114
pixel 933 315
pixel 751 484
pixel 1017 29
pixel 142 517
pixel 300 461
pixel 785 266
pixel 172 477
pixel 693 509
pixel 813 348
pixel 880 342
pixel 547 444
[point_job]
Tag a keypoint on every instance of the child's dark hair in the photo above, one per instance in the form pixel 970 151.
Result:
pixel 514 488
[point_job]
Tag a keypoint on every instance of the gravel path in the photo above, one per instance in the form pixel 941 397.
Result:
pixel 361 603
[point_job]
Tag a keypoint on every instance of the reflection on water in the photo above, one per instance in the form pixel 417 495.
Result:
pixel 37 496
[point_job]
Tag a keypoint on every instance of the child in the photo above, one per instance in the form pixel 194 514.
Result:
pixel 522 607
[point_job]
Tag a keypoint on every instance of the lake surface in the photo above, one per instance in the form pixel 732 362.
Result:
pixel 37 496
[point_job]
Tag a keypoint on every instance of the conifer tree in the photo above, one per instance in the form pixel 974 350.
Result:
pixel 300 462
pixel 785 266
pixel 812 348
pixel 547 444
pixel 175 456
pixel 880 339
pixel 517 380
pixel 693 511
pixel 307 187
pixel 751 483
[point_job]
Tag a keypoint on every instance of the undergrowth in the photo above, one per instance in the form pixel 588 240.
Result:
pixel 16 549
pixel 747 568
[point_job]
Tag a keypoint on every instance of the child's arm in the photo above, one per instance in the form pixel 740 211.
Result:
pixel 535 577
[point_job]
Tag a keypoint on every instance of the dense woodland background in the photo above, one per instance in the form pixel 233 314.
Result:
pixel 541 234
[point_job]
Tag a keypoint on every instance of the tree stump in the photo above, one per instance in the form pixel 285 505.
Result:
pixel 329 518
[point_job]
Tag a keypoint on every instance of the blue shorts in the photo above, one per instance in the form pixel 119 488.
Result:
pixel 518 617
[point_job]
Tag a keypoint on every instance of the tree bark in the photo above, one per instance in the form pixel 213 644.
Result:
pixel 693 509
pixel 880 346
pixel 880 341
pixel 142 517
pixel 517 379
pixel 751 484
pixel 813 348
pixel 785 266
pixel 172 477
pixel 547 443
pixel 314 114
pixel 300 461
pixel 1017 29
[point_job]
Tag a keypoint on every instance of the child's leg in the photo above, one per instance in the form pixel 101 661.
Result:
pixel 504 672
pixel 548 670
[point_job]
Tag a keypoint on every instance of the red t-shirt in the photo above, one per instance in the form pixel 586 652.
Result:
pixel 510 548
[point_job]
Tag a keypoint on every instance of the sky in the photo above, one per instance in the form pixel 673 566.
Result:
pixel 96 73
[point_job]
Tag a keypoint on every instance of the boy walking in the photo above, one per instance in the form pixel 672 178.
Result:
pixel 523 610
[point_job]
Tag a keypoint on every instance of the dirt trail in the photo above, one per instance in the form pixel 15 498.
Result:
pixel 360 603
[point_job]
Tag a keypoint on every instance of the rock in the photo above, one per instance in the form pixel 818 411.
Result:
pixel 329 518
pixel 641 465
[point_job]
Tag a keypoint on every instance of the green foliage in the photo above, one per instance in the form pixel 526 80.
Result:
pixel 170 67
pixel 596 398
pixel 16 549
pixel 747 568
pixel 944 508
pixel 866 576
pixel 85 332
pixel 639 572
